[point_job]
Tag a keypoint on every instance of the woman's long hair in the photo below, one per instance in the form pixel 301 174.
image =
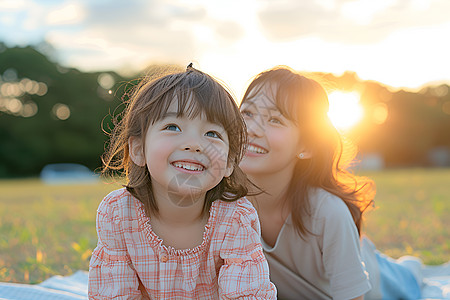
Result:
pixel 304 101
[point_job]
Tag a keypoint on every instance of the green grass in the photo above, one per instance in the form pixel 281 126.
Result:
pixel 46 230
pixel 412 214
pixel 49 230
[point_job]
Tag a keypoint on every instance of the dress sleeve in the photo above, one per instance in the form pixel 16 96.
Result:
pixel 111 272
pixel 341 251
pixel 245 273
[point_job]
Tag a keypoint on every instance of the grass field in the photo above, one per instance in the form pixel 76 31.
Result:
pixel 49 230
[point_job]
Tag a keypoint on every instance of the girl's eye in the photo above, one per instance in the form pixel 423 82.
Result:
pixel 213 134
pixel 172 127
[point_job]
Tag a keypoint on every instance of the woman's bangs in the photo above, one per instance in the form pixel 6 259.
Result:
pixel 286 106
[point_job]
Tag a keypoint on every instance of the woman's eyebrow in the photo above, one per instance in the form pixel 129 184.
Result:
pixel 268 107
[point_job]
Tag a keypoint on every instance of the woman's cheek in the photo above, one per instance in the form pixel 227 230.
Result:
pixel 277 137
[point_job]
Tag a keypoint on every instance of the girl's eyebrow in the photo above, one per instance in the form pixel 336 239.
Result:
pixel 170 114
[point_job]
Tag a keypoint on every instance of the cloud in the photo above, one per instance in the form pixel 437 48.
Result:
pixel 229 30
pixel 135 33
pixel 353 22
pixel 68 13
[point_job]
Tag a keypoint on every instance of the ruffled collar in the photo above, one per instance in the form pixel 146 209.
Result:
pixel 156 241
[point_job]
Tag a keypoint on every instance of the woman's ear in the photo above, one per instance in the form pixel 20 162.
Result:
pixel 305 155
pixel 136 150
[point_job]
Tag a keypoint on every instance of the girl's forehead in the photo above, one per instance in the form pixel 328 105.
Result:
pixel 184 105
pixel 191 110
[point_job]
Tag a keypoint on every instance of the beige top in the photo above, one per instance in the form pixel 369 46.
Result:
pixel 326 265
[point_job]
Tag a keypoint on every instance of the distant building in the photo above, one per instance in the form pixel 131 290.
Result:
pixel 439 157
pixel 369 161
pixel 67 174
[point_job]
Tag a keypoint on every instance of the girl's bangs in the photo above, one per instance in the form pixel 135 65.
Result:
pixel 204 98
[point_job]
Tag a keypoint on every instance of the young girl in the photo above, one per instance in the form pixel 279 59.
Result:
pixel 310 208
pixel 180 228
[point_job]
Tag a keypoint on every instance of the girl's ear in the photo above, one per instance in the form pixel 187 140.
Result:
pixel 229 170
pixel 136 150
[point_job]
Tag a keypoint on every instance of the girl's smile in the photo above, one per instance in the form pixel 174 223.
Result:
pixel 188 166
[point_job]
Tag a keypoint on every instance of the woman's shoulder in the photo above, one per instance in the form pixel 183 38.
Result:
pixel 331 216
pixel 324 203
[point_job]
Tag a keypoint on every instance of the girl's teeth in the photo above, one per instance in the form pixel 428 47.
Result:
pixel 255 149
pixel 190 167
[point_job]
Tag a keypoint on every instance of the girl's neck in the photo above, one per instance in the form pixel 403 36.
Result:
pixel 171 214
pixel 180 227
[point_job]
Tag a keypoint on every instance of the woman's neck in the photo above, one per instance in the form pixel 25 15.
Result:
pixel 274 187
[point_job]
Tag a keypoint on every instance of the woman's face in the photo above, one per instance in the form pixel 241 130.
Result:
pixel 273 140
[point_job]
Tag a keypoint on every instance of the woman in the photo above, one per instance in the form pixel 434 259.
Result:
pixel 310 207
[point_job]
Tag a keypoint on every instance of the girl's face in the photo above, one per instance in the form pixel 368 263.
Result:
pixel 185 157
pixel 273 140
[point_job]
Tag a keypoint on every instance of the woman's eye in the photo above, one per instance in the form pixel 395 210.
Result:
pixel 213 134
pixel 247 113
pixel 275 121
pixel 172 127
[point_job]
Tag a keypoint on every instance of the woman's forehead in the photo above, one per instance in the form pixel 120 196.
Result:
pixel 262 97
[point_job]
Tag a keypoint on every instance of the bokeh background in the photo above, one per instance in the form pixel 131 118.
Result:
pixel 64 65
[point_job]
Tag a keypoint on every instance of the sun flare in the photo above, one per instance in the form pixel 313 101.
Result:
pixel 345 109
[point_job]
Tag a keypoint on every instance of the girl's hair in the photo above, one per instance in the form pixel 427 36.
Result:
pixel 305 102
pixel 195 93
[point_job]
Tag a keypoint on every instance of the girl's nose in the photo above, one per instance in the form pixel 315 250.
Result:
pixel 193 148
pixel 192 143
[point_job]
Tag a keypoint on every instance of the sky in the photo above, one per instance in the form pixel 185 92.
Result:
pixel 400 43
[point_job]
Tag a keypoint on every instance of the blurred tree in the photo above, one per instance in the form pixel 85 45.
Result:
pixel 416 123
pixel 66 123
pixel 52 114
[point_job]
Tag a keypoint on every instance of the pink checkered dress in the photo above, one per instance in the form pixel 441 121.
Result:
pixel 228 264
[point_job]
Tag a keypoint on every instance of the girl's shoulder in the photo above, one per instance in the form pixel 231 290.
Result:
pixel 239 209
pixel 114 203
pixel 242 205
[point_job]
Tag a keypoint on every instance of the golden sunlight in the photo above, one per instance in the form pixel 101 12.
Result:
pixel 345 109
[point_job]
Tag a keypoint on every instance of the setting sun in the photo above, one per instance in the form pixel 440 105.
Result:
pixel 345 109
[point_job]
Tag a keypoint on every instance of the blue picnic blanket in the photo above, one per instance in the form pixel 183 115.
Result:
pixel 57 287
pixel 436 285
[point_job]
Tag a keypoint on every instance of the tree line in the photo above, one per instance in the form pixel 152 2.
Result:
pixel 53 114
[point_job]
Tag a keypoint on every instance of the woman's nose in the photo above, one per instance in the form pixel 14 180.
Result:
pixel 255 128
